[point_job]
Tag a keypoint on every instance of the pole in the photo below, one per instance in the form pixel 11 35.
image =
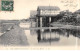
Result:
pixel 41 26
pixel 50 29
pixel 37 22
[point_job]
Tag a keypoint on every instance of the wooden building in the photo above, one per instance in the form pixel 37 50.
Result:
pixel 45 15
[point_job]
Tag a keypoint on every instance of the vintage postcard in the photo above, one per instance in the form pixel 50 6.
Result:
pixel 40 24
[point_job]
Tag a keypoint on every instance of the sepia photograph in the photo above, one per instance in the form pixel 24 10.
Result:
pixel 40 23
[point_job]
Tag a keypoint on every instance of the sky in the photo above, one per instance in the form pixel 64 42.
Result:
pixel 22 8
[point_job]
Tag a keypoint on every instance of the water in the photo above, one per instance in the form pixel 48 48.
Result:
pixel 78 41
pixel 58 37
pixel 55 37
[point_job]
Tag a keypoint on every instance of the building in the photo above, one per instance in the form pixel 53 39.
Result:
pixel 46 14
pixel 43 17
pixel 33 18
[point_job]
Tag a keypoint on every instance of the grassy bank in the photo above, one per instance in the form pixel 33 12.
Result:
pixel 13 37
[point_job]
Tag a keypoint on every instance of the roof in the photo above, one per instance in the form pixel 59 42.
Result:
pixel 55 8
pixel 33 13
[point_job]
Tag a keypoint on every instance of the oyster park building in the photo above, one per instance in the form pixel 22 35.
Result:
pixel 43 17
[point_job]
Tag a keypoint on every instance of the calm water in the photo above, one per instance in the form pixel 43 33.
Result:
pixel 59 37
pixel 61 32
pixel 53 37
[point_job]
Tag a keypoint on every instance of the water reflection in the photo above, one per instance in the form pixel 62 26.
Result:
pixel 54 34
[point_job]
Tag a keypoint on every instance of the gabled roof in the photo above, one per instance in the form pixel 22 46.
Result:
pixel 55 8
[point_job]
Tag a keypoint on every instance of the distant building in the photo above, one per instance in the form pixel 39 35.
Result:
pixel 33 18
